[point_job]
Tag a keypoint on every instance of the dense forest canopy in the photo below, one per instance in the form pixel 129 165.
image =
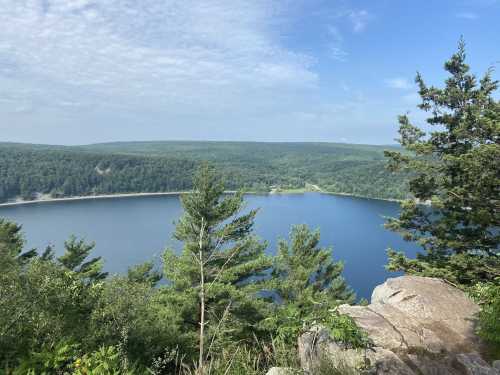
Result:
pixel 28 170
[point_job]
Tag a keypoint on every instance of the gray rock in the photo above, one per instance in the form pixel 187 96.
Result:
pixel 473 364
pixel 316 346
pixel 440 314
pixel 496 365
pixel 418 325
pixel 386 362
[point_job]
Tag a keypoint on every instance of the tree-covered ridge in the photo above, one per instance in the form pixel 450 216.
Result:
pixel 27 170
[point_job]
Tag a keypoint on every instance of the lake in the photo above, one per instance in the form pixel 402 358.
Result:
pixel 131 230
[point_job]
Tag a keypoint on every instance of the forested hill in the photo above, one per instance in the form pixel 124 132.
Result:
pixel 29 170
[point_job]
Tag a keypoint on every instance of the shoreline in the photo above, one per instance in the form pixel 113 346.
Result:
pixel 90 197
pixel 364 197
pixel 135 195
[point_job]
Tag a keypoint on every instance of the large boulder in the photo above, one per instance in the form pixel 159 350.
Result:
pixel 418 326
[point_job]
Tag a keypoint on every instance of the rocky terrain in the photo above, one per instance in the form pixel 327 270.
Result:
pixel 418 326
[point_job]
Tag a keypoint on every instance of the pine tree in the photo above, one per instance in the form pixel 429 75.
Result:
pixel 12 242
pixel 305 273
pixel 76 251
pixel 144 273
pixel 306 282
pixel 214 282
pixel 456 169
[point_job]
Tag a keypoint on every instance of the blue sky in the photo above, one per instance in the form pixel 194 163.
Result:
pixel 84 71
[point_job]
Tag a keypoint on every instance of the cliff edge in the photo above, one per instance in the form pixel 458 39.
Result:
pixel 418 326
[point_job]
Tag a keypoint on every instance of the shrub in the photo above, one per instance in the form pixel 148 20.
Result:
pixel 50 360
pixel 107 360
pixel 488 296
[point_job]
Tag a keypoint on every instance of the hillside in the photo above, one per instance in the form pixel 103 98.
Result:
pixel 27 170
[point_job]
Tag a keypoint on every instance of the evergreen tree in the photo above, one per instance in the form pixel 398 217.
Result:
pixel 456 169
pixel 306 282
pixel 76 251
pixel 12 300
pixel 306 274
pixel 42 301
pixel 12 242
pixel 214 282
pixel 144 273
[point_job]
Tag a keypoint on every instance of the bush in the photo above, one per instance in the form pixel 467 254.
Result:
pixel 50 360
pixel 343 329
pixel 488 296
pixel 107 360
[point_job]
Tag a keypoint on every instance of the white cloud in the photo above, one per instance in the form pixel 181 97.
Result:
pixel 173 52
pixel 398 83
pixel 359 19
pixel 337 53
pixel 335 44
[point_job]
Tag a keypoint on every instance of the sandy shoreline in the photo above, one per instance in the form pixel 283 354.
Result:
pixel 89 197
pixel 131 195
pixel 363 197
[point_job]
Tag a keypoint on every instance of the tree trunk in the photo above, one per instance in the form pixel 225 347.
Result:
pixel 201 367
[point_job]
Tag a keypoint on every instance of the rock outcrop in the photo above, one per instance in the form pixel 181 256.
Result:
pixel 418 326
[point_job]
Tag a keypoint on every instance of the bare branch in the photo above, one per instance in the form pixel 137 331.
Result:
pixel 224 315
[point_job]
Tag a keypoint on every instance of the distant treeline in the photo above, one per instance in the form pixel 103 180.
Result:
pixel 29 170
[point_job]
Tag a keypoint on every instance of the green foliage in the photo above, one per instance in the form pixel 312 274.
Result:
pixel 65 315
pixel 305 273
pixel 26 171
pixel 464 269
pixel 66 358
pixel 12 242
pixel 133 315
pixel 144 273
pixel 286 322
pixel 29 170
pixel 488 296
pixel 216 235
pixel 456 170
pixel 11 239
pixel 76 251
pixel 254 359
pixel 50 360
pixel 306 283
pixel 343 329
pixel 104 361
pixel 48 302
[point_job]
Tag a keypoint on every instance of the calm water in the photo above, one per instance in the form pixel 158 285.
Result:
pixel 132 230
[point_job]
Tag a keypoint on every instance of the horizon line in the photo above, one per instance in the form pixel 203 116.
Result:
pixel 197 141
